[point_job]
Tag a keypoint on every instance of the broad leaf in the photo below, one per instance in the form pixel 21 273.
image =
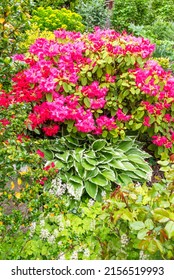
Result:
pixel 99 180
pixel 98 145
pixel 91 189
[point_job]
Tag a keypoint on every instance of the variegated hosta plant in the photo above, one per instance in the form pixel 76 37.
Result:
pixel 96 165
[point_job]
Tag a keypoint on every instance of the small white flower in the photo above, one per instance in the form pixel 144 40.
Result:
pixel 59 243
pixel 86 253
pixel 124 239
pixel 91 202
pixel 44 234
pixel 55 232
pixel 42 223
pixel 74 255
pixel 51 239
pixel 32 228
pixel 103 194
pixel 143 256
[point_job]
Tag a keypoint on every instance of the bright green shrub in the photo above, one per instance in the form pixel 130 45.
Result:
pixel 134 223
pixel 33 34
pixel 50 19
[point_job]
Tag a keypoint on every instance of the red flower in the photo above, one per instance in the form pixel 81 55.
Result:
pixel 40 153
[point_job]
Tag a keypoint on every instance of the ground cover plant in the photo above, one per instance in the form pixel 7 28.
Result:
pixel 84 120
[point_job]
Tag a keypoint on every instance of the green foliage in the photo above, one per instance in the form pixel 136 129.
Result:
pixel 93 166
pixel 141 12
pixel 34 33
pixel 93 13
pixel 55 4
pixel 14 20
pixel 135 222
pixel 50 19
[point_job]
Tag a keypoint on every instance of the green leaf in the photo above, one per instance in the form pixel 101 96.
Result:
pixel 64 157
pixel 109 174
pixel 86 165
pixel 136 159
pixel 72 140
pixel 49 97
pixel 91 189
pixel 87 102
pixel 92 173
pixel 142 233
pixel 125 179
pixel 99 180
pixel 99 72
pixel 79 169
pixel 91 161
pixel 125 145
pixel 98 145
pixel 48 154
pixel 128 166
pixel 161 215
pixel 59 164
pixel 137 225
pixel 76 179
pixel 65 87
pixel 117 164
pixel 170 229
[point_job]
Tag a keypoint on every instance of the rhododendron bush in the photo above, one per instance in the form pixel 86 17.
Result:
pixel 102 83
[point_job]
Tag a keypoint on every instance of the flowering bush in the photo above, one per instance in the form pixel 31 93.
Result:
pixel 101 83
pixel 52 19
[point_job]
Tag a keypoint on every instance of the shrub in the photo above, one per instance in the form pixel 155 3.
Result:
pixel 101 83
pixel 50 19
pixel 93 13
pixel 135 222
pixel 14 20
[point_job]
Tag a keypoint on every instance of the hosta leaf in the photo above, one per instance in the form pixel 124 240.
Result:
pixel 90 154
pixel 108 157
pixel 72 140
pixel 125 145
pixel 109 174
pixel 79 169
pixel 99 180
pixel 92 173
pixel 91 161
pixel 117 164
pixel 86 165
pixel 128 166
pixel 91 189
pixel 76 179
pixel 64 157
pixel 136 159
pixel 98 145
pixel 125 179
pixel 59 164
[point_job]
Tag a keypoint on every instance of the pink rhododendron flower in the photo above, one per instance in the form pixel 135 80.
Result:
pixel 146 121
pixel 121 116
